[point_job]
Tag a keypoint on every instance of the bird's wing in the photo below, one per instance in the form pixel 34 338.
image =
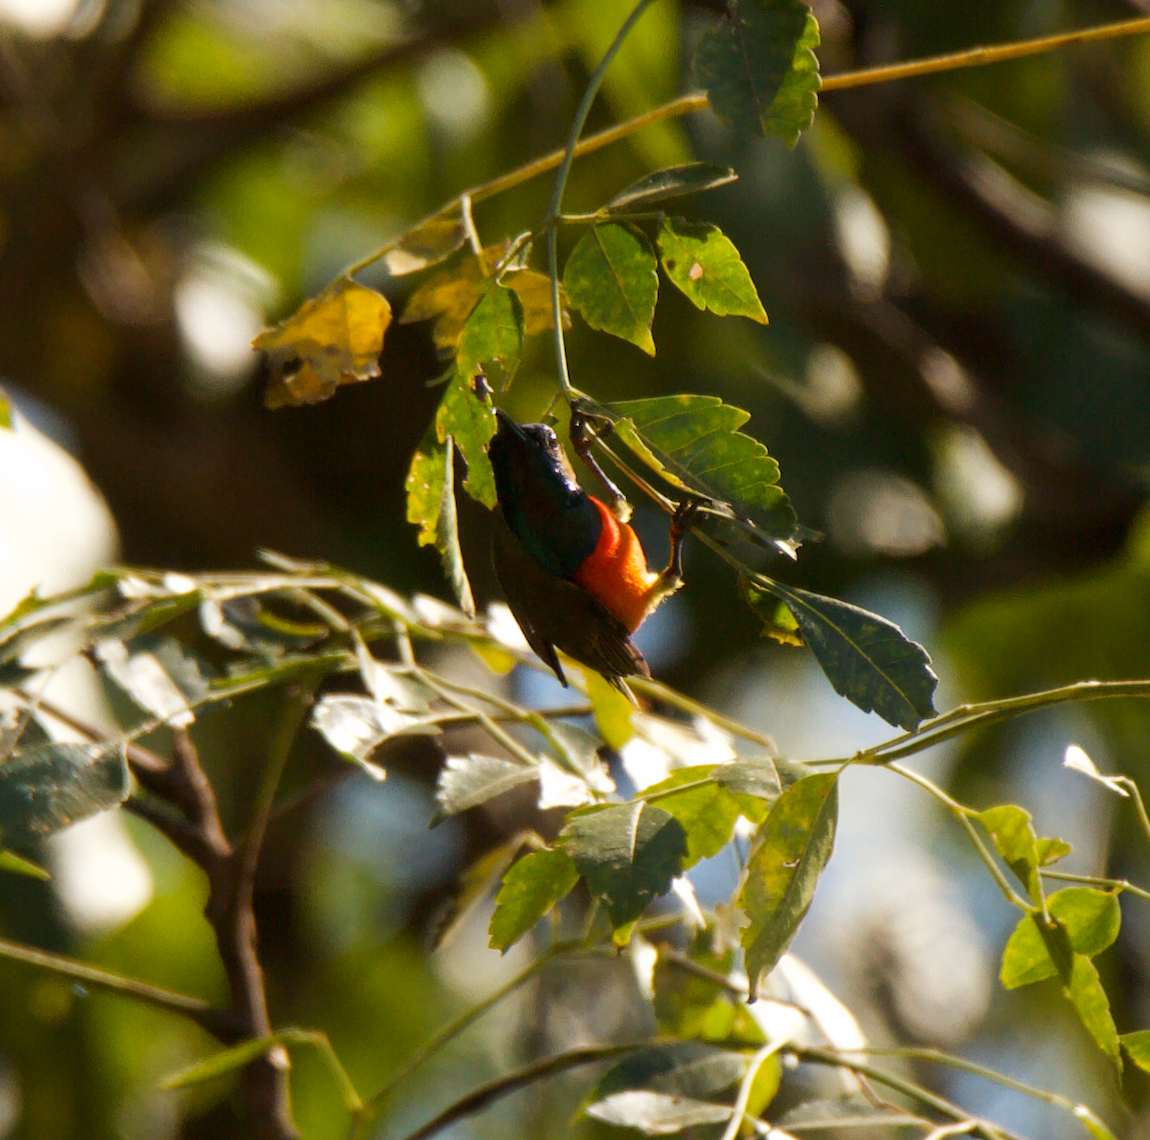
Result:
pixel 557 614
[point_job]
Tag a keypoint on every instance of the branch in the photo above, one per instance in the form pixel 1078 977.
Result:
pixel 488 1094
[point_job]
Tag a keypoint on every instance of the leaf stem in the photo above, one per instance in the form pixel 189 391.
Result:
pixel 1118 885
pixel 555 207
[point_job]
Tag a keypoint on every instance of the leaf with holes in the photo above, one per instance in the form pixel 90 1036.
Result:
pixel 333 339
pixel 693 442
pixel 791 850
pixel 759 67
pixel 611 279
pixel 51 786
pixel 672 182
pixel 628 853
pixel 530 889
pixel 705 265
pixel 866 658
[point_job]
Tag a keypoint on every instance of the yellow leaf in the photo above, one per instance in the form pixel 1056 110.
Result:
pixel 612 710
pixel 450 295
pixel 333 339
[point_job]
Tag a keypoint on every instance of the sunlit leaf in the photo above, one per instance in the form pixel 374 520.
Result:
pixel 447 534
pixel 14 864
pixel 469 419
pixel 162 679
pixel 793 846
pixel 757 781
pixel 493 333
pixel 656 1114
pixel 333 339
pixel 628 853
pixel 1089 999
pixel 1051 850
pixel 356 726
pixel 843 1112
pixel 467 781
pixel 759 67
pixel 611 708
pixel 1077 760
pixel 671 182
pixel 5 411
pixel 530 889
pixel 707 814
pixel 866 658
pixel 611 279
pixel 424 486
pixel 1010 828
pixel 51 786
pixel 705 265
pixel 1090 919
pixel 1137 1046
pixel 693 442
pixel 434 241
pixel 449 297
pixel 691 1007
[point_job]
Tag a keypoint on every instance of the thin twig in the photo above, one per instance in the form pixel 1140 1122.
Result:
pixel 217 1022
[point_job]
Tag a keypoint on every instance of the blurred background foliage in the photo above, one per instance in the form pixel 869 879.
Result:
pixel 955 380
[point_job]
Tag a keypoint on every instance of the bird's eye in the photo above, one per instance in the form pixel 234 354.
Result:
pixel 551 438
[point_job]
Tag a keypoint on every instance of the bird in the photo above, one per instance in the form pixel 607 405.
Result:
pixel 575 577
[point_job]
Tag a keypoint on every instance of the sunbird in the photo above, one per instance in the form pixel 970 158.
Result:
pixel 574 575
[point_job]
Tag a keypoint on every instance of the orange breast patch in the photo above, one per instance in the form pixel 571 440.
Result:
pixel 616 571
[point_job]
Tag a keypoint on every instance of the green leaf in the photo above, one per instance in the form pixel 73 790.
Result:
pixel 1090 921
pixel 1089 999
pixel 759 67
pixel 708 814
pixel 447 534
pixel 530 889
pixel 793 846
pixel 758 781
pixel 10 861
pixel 50 787
pixel 612 709
pixel 467 781
pixel 611 279
pixel 793 109
pixel 672 182
pixel 1137 1046
pixel 1013 834
pixel 657 1114
pixel 866 658
pixel 493 333
pixel 694 443
pixel 1051 850
pixel 687 1068
pixel 220 1064
pixel 468 418
pixel 690 1007
pixel 424 486
pixel 705 265
pixel 628 853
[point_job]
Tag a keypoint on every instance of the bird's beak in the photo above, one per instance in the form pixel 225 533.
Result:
pixel 506 423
